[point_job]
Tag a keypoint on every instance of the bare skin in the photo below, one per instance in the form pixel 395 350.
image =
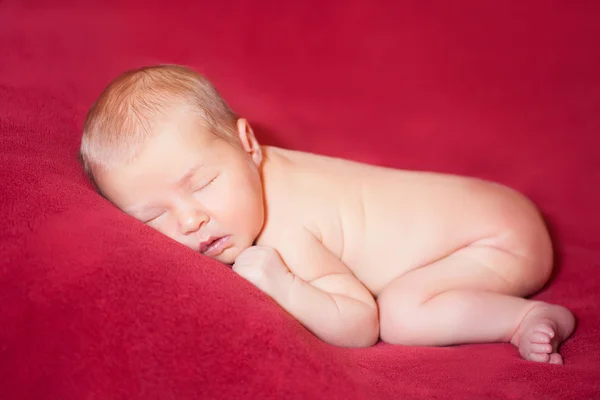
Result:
pixel 354 252
pixel 463 241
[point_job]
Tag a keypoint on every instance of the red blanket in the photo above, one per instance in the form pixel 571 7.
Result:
pixel 95 305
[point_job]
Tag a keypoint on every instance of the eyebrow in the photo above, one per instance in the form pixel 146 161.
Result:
pixel 189 174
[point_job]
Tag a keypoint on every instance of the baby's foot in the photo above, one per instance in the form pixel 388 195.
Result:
pixel 542 330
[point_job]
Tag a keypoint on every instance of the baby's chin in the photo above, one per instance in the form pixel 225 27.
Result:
pixel 228 256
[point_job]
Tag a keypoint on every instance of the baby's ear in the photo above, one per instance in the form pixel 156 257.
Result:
pixel 248 140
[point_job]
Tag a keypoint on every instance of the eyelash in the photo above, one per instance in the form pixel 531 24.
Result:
pixel 206 184
pixel 153 218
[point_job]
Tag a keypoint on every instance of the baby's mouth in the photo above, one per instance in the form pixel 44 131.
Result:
pixel 214 246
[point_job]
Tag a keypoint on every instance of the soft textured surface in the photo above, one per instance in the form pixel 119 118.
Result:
pixel 95 305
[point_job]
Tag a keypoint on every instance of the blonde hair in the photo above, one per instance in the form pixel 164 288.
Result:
pixel 131 107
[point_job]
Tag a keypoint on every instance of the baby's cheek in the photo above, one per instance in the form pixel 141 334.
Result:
pixel 155 225
pixel 164 227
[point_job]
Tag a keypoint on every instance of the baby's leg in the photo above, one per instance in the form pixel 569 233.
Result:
pixel 464 299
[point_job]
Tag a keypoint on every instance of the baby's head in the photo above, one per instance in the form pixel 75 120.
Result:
pixel 163 146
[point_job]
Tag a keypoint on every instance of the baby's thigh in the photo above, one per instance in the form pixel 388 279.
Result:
pixel 475 267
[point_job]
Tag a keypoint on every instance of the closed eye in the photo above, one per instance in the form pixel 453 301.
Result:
pixel 151 219
pixel 205 184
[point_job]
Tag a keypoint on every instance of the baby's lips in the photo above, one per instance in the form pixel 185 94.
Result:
pixel 215 245
pixel 205 244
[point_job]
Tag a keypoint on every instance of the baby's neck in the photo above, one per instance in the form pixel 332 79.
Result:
pixel 270 170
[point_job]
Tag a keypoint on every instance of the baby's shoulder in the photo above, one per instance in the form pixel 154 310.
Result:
pixel 291 231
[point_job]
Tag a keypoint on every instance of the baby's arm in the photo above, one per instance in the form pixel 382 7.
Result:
pixel 334 305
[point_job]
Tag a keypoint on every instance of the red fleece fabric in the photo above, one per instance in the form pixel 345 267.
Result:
pixel 95 305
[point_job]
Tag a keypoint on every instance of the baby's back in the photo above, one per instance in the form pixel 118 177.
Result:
pixel 383 222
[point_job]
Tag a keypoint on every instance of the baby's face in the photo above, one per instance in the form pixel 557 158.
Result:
pixel 194 187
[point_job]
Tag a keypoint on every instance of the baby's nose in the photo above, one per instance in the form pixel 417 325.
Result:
pixel 191 220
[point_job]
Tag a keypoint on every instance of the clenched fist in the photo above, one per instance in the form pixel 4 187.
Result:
pixel 263 266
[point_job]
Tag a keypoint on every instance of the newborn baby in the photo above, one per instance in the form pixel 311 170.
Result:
pixel 354 252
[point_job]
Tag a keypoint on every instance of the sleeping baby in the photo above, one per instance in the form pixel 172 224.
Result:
pixel 354 252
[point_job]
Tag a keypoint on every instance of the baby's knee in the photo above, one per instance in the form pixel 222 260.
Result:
pixel 535 256
pixel 510 271
pixel 523 235
pixel 536 249
pixel 541 268
pixel 535 241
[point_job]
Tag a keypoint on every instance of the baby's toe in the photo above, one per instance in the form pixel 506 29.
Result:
pixel 555 358
pixel 539 337
pixel 540 348
pixel 544 328
pixel 539 357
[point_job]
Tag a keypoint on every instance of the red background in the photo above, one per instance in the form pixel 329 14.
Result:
pixel 95 305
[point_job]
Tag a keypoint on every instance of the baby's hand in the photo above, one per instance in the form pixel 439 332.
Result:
pixel 262 266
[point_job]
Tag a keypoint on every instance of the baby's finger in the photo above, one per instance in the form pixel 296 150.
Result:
pixel 237 266
pixel 243 268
